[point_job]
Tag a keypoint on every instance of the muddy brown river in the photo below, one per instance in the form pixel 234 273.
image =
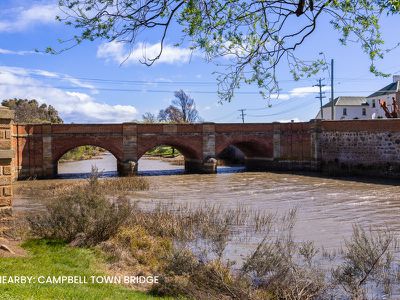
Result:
pixel 326 208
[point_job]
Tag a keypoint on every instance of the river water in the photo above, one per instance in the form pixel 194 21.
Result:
pixel 326 208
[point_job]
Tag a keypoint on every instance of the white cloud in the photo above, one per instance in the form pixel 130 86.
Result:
pixel 12 52
pixel 306 91
pixel 299 92
pixel 117 52
pixel 21 18
pixel 73 106
pixel 280 96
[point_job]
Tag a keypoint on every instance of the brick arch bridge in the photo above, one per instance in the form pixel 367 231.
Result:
pixel 266 146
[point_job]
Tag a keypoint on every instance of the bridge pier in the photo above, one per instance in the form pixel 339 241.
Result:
pixel 195 166
pixel 128 168
pixel 258 163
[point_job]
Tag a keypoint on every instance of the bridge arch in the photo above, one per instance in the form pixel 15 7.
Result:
pixel 60 147
pixel 258 153
pixel 191 152
pixel 187 151
pixel 80 163
pixel 249 146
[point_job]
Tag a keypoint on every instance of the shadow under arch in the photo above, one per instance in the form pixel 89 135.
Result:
pixel 255 154
pixel 152 166
pixel 105 160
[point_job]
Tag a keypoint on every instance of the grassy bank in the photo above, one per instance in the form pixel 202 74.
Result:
pixel 82 153
pixel 52 258
pixel 163 151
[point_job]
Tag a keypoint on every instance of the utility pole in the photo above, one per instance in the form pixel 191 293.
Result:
pixel 332 94
pixel 321 95
pixel 242 114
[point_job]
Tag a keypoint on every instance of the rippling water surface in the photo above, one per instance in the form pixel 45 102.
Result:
pixel 327 208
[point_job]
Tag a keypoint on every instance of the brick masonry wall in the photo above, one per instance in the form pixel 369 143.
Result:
pixel 352 146
pixel 6 156
pixel 38 147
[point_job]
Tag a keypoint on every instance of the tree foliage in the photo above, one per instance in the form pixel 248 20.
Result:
pixel 29 111
pixel 250 38
pixel 149 118
pixel 182 110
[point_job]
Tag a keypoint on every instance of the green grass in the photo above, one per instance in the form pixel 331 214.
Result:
pixel 81 153
pixel 52 258
pixel 164 151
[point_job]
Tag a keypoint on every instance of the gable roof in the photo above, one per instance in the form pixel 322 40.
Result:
pixel 389 89
pixel 348 101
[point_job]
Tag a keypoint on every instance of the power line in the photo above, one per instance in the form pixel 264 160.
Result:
pixel 223 117
pixel 162 91
pixel 121 89
pixel 64 77
pixel 106 80
pixel 282 112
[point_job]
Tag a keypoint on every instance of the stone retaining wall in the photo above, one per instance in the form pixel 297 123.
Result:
pixel 6 176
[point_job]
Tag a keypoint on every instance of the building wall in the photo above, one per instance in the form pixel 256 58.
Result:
pixel 353 112
pixel 377 112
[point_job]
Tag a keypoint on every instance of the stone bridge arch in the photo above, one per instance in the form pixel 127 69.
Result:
pixel 258 152
pixel 250 147
pixel 187 150
pixel 60 148
pixel 38 147
pixel 189 146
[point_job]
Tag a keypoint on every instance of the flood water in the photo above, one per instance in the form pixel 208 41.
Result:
pixel 326 208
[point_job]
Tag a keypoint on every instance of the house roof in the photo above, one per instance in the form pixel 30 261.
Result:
pixel 348 101
pixel 389 89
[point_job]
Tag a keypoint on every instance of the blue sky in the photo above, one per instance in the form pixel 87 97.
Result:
pixel 89 84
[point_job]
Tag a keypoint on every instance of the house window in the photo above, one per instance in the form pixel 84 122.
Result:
pixel 373 103
pixel 344 111
pixel 364 111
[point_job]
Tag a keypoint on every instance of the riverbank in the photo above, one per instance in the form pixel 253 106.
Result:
pixel 45 261
pixel 83 153
pixel 163 238
pixel 178 160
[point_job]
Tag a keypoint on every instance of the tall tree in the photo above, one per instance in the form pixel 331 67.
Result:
pixel 29 111
pixel 149 118
pixel 182 110
pixel 255 35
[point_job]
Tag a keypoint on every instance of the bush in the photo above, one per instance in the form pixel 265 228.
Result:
pixel 83 216
pixel 147 250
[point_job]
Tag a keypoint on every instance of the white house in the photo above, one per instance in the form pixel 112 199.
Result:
pixel 346 108
pixel 386 94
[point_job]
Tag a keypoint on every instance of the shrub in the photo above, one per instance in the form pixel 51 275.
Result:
pixel 84 216
pixel 367 259
pixel 148 250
